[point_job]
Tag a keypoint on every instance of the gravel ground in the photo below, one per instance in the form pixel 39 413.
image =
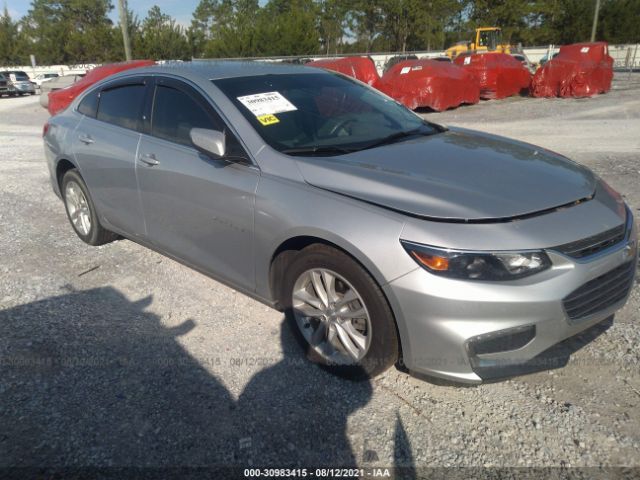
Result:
pixel 117 356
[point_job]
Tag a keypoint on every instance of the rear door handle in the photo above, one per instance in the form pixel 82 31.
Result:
pixel 86 139
pixel 149 158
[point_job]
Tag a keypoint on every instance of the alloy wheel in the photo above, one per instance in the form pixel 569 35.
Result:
pixel 332 316
pixel 78 208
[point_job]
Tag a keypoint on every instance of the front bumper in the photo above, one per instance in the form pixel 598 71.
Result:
pixel 469 331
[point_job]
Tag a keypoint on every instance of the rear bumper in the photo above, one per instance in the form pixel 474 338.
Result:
pixel 472 331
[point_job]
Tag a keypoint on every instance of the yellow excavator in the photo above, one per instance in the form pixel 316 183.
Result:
pixel 488 39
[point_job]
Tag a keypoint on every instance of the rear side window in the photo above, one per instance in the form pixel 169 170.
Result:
pixel 122 106
pixel 89 105
pixel 175 113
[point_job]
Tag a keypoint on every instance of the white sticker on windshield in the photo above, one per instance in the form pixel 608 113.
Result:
pixel 405 70
pixel 467 60
pixel 584 49
pixel 417 67
pixel 267 103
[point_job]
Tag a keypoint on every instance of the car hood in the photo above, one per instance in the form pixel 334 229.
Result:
pixel 457 175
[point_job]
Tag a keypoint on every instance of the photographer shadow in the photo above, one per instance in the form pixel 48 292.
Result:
pixel 91 379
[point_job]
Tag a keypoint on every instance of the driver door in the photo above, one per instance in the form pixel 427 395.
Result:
pixel 197 208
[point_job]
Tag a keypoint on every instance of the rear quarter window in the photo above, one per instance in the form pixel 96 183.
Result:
pixel 89 104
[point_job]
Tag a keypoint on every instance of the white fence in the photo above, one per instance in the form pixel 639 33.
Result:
pixel 59 69
pixel 624 56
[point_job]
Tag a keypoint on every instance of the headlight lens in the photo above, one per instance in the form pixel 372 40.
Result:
pixel 489 266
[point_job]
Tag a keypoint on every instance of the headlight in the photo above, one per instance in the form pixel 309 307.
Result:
pixel 490 266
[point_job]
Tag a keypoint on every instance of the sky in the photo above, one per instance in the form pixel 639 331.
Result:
pixel 181 10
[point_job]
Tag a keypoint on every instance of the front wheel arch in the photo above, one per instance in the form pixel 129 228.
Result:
pixel 286 252
pixel 283 255
pixel 383 354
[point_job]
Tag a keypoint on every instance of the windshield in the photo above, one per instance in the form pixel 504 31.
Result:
pixel 325 114
pixel 19 76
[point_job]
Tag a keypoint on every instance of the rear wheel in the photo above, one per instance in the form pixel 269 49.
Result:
pixel 81 211
pixel 339 313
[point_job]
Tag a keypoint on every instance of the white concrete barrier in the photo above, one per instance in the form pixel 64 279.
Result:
pixel 59 69
pixel 624 56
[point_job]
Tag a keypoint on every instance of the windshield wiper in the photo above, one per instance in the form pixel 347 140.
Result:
pixel 318 150
pixel 337 150
pixel 399 136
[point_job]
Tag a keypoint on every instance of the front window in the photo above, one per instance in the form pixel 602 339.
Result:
pixel 321 113
pixel 174 115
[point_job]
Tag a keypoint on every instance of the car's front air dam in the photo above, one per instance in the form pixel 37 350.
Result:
pixel 440 318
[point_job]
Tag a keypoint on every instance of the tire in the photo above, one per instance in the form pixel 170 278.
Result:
pixel 377 325
pixel 79 205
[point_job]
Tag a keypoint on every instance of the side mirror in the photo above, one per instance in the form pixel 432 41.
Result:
pixel 210 142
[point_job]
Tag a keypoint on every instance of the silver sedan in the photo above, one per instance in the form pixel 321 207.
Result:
pixel 386 239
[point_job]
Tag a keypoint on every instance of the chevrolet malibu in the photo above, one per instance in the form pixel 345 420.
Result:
pixel 386 239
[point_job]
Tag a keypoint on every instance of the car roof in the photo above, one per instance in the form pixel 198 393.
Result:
pixel 219 69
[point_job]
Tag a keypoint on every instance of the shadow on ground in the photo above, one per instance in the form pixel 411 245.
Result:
pixel 91 379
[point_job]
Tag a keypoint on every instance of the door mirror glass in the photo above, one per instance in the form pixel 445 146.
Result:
pixel 211 142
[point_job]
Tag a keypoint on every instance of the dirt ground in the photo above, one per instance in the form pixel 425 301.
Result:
pixel 118 356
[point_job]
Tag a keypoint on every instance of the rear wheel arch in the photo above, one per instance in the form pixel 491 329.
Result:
pixel 63 166
pixel 80 209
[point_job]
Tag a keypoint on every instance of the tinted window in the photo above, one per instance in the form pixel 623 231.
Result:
pixel 89 104
pixel 175 113
pixel 122 105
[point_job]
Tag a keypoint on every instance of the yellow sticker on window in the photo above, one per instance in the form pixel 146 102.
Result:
pixel 268 119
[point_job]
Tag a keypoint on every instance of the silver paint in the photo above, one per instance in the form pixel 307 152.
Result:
pixel 461 189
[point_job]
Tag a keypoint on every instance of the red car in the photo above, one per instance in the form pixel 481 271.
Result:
pixel 60 99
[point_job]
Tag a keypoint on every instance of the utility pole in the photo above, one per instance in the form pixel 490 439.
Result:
pixel 124 25
pixel 595 21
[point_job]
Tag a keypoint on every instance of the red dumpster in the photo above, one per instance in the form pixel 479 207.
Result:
pixel 429 83
pixel 500 75
pixel 579 70
pixel 361 68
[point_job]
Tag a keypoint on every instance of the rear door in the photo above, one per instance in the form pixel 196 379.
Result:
pixel 197 208
pixel 105 145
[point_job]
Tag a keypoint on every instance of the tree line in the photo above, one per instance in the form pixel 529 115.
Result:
pixel 80 31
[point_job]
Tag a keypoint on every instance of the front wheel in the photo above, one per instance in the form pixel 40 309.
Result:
pixel 339 313
pixel 81 211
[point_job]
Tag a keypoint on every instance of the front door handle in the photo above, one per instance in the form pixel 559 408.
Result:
pixel 149 158
pixel 86 139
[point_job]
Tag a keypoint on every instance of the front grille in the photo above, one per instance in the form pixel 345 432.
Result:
pixel 600 293
pixel 594 244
